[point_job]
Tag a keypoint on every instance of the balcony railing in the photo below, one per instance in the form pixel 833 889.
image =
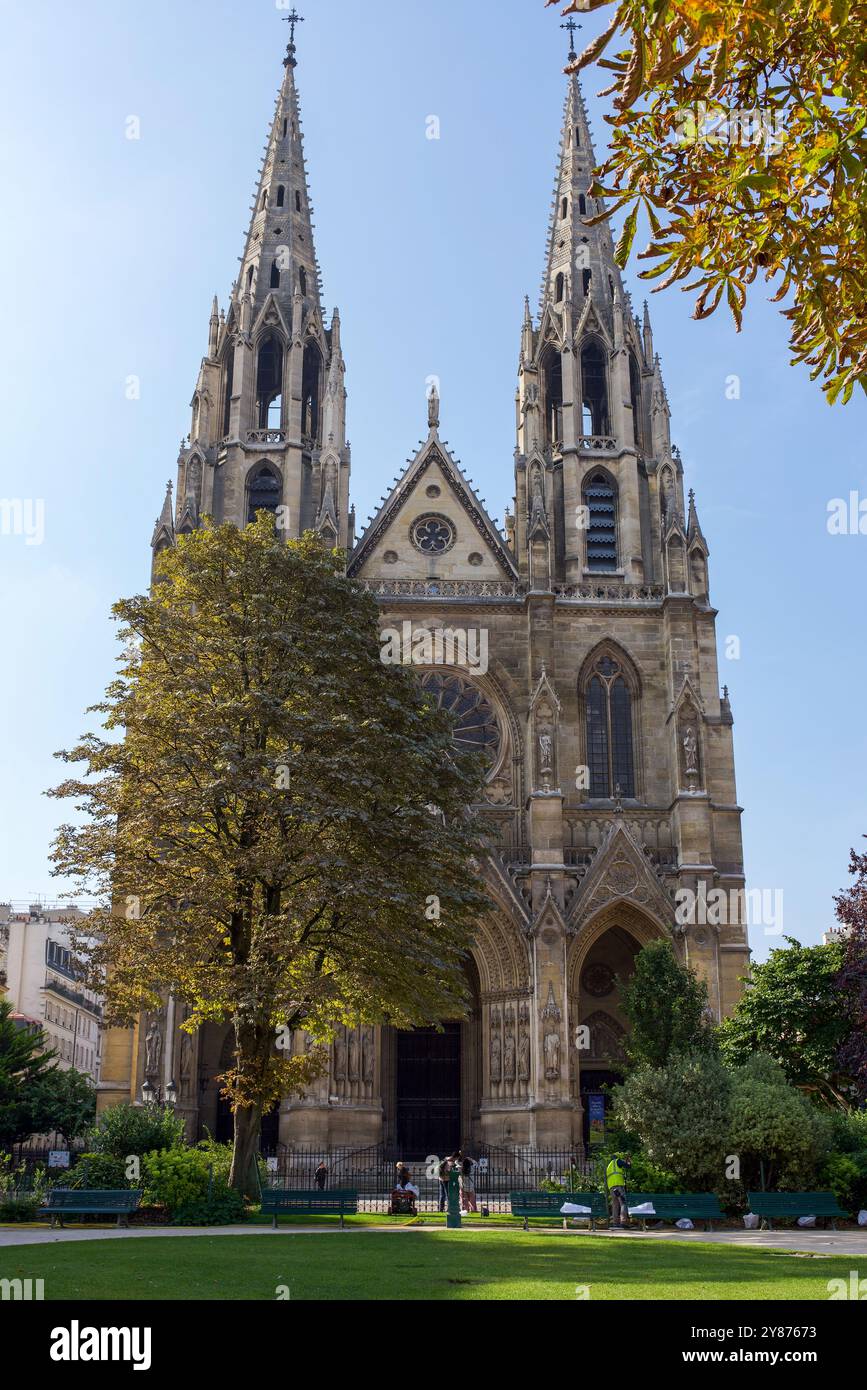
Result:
pixel 597 443
pixel 610 593
pixel 484 589
pixel 266 437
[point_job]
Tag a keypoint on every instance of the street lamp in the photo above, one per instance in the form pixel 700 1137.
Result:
pixel 151 1095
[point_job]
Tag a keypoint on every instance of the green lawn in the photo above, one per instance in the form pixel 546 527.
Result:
pixel 362 1265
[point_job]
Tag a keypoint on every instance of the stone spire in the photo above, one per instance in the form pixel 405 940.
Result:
pixel 583 256
pixel 279 252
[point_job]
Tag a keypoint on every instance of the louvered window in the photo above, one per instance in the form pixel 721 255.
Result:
pixel 610 755
pixel 601 503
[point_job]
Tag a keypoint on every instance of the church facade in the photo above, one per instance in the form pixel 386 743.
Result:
pixel 577 646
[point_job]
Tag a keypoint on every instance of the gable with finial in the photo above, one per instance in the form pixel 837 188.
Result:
pixel 621 871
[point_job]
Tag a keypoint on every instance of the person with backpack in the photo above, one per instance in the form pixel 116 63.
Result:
pixel 615 1180
pixel 443 1175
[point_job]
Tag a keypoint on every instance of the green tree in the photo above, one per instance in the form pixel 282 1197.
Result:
pixel 283 828
pixel 666 1005
pixel 680 1112
pixel 793 1011
pixel 739 128
pixel 852 980
pixel 127 1130
pixel 774 1130
pixel 25 1064
pixel 67 1101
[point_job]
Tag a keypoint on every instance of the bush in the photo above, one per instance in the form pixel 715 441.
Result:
pixel 846 1176
pixel 223 1208
pixel 124 1130
pixel 100 1173
pixel 174 1178
pixel 19 1206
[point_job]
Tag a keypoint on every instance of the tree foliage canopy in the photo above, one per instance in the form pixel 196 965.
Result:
pixel 794 1012
pixel 852 980
pixel 739 128
pixel 283 826
pixel 666 1005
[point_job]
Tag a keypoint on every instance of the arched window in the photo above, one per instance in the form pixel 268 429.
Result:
pixel 587 278
pixel 264 202
pixel 281 196
pixel 302 279
pixel 600 500
pixel 553 377
pixel 582 204
pixel 564 208
pixel 275 275
pixel 559 288
pixel 285 127
pixel 229 388
pixel 264 492
pixel 594 386
pixel 577 135
pixel 250 274
pixel 610 755
pixel 635 399
pixel 311 392
pixel 297 200
pixel 269 385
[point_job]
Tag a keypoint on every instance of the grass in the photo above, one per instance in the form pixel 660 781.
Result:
pixel 426 1265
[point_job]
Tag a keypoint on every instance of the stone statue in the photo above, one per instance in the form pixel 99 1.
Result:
pixel 353 1055
pixel 509 1054
pixel 433 407
pixel 546 752
pixel 690 748
pixel 496 1051
pixel 185 1065
pixel 524 1046
pixel 153 1050
pixel 368 1056
pixel 340 1055
pixel 552 1056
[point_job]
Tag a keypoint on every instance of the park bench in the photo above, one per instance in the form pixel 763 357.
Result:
pixel 767 1205
pixel 533 1204
pixel 277 1201
pixel 67 1201
pixel 675 1206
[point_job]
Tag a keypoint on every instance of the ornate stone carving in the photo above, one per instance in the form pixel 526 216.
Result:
pixel 509 1048
pixel 153 1049
pixel 552 1015
pixel 368 1056
pixel 524 1051
pixel 353 1055
pixel 340 1055
pixel 496 1048
pixel 598 980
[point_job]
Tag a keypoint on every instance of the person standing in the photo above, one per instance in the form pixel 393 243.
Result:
pixel 443 1175
pixel 615 1177
pixel 320 1177
pixel 467 1175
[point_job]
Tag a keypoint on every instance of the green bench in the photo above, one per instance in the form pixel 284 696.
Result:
pixel 533 1204
pixel 767 1205
pixel 676 1206
pixel 278 1201
pixel 69 1201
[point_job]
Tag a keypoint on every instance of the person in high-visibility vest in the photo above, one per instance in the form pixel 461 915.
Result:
pixel 615 1178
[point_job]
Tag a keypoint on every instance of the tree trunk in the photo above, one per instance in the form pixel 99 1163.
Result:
pixel 248 1122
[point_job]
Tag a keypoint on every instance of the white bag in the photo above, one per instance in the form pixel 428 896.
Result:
pixel 862 1218
pixel 752 1222
pixel 646 1209
pixel 806 1222
pixel 570 1209
pixel 684 1224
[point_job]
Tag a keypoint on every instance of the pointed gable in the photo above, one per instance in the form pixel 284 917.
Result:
pixel 465 543
pixel 621 871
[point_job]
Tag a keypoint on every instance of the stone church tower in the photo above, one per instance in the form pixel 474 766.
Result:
pixel 611 784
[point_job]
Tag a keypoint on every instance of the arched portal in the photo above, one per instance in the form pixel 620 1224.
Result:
pixel 601 963
pixel 432 1083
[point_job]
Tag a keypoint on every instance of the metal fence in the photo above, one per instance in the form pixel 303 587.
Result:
pixel 372 1173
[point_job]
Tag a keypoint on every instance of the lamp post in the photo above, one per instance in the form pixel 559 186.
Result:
pixel 453 1218
pixel 152 1095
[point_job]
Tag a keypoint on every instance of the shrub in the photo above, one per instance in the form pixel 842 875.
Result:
pixel 846 1176
pixel 224 1207
pixel 101 1173
pixel 175 1177
pixel 19 1206
pixel 124 1130
pixel 774 1128
pixel 680 1113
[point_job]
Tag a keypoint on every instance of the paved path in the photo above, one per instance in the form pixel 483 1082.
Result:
pixel 802 1242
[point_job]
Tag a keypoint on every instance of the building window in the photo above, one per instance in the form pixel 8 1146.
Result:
pixel 582 204
pixel 269 385
pixel 594 386
pixel 281 196
pixel 311 392
pixel 264 493
pixel 553 377
pixel 297 201
pixel 433 535
pixel 559 288
pixel 600 501
pixel 610 755
pixel 564 208
pixel 302 280
pixel 635 399
pixel 275 275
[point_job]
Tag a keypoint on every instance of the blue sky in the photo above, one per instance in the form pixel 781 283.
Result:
pixel 114 248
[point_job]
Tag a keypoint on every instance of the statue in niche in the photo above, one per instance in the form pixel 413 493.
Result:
pixel 524 1044
pixel 368 1056
pixel 496 1051
pixel 690 749
pixel 340 1055
pixel 353 1055
pixel 509 1052
pixel 185 1065
pixel 552 1056
pixel 153 1049
pixel 546 753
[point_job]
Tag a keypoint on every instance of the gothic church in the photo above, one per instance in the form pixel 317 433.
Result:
pixel 611 780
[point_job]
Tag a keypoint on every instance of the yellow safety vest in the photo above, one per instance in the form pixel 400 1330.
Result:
pixel 615 1174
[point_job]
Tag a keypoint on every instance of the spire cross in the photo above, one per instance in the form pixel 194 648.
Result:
pixel 293 19
pixel 572 27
